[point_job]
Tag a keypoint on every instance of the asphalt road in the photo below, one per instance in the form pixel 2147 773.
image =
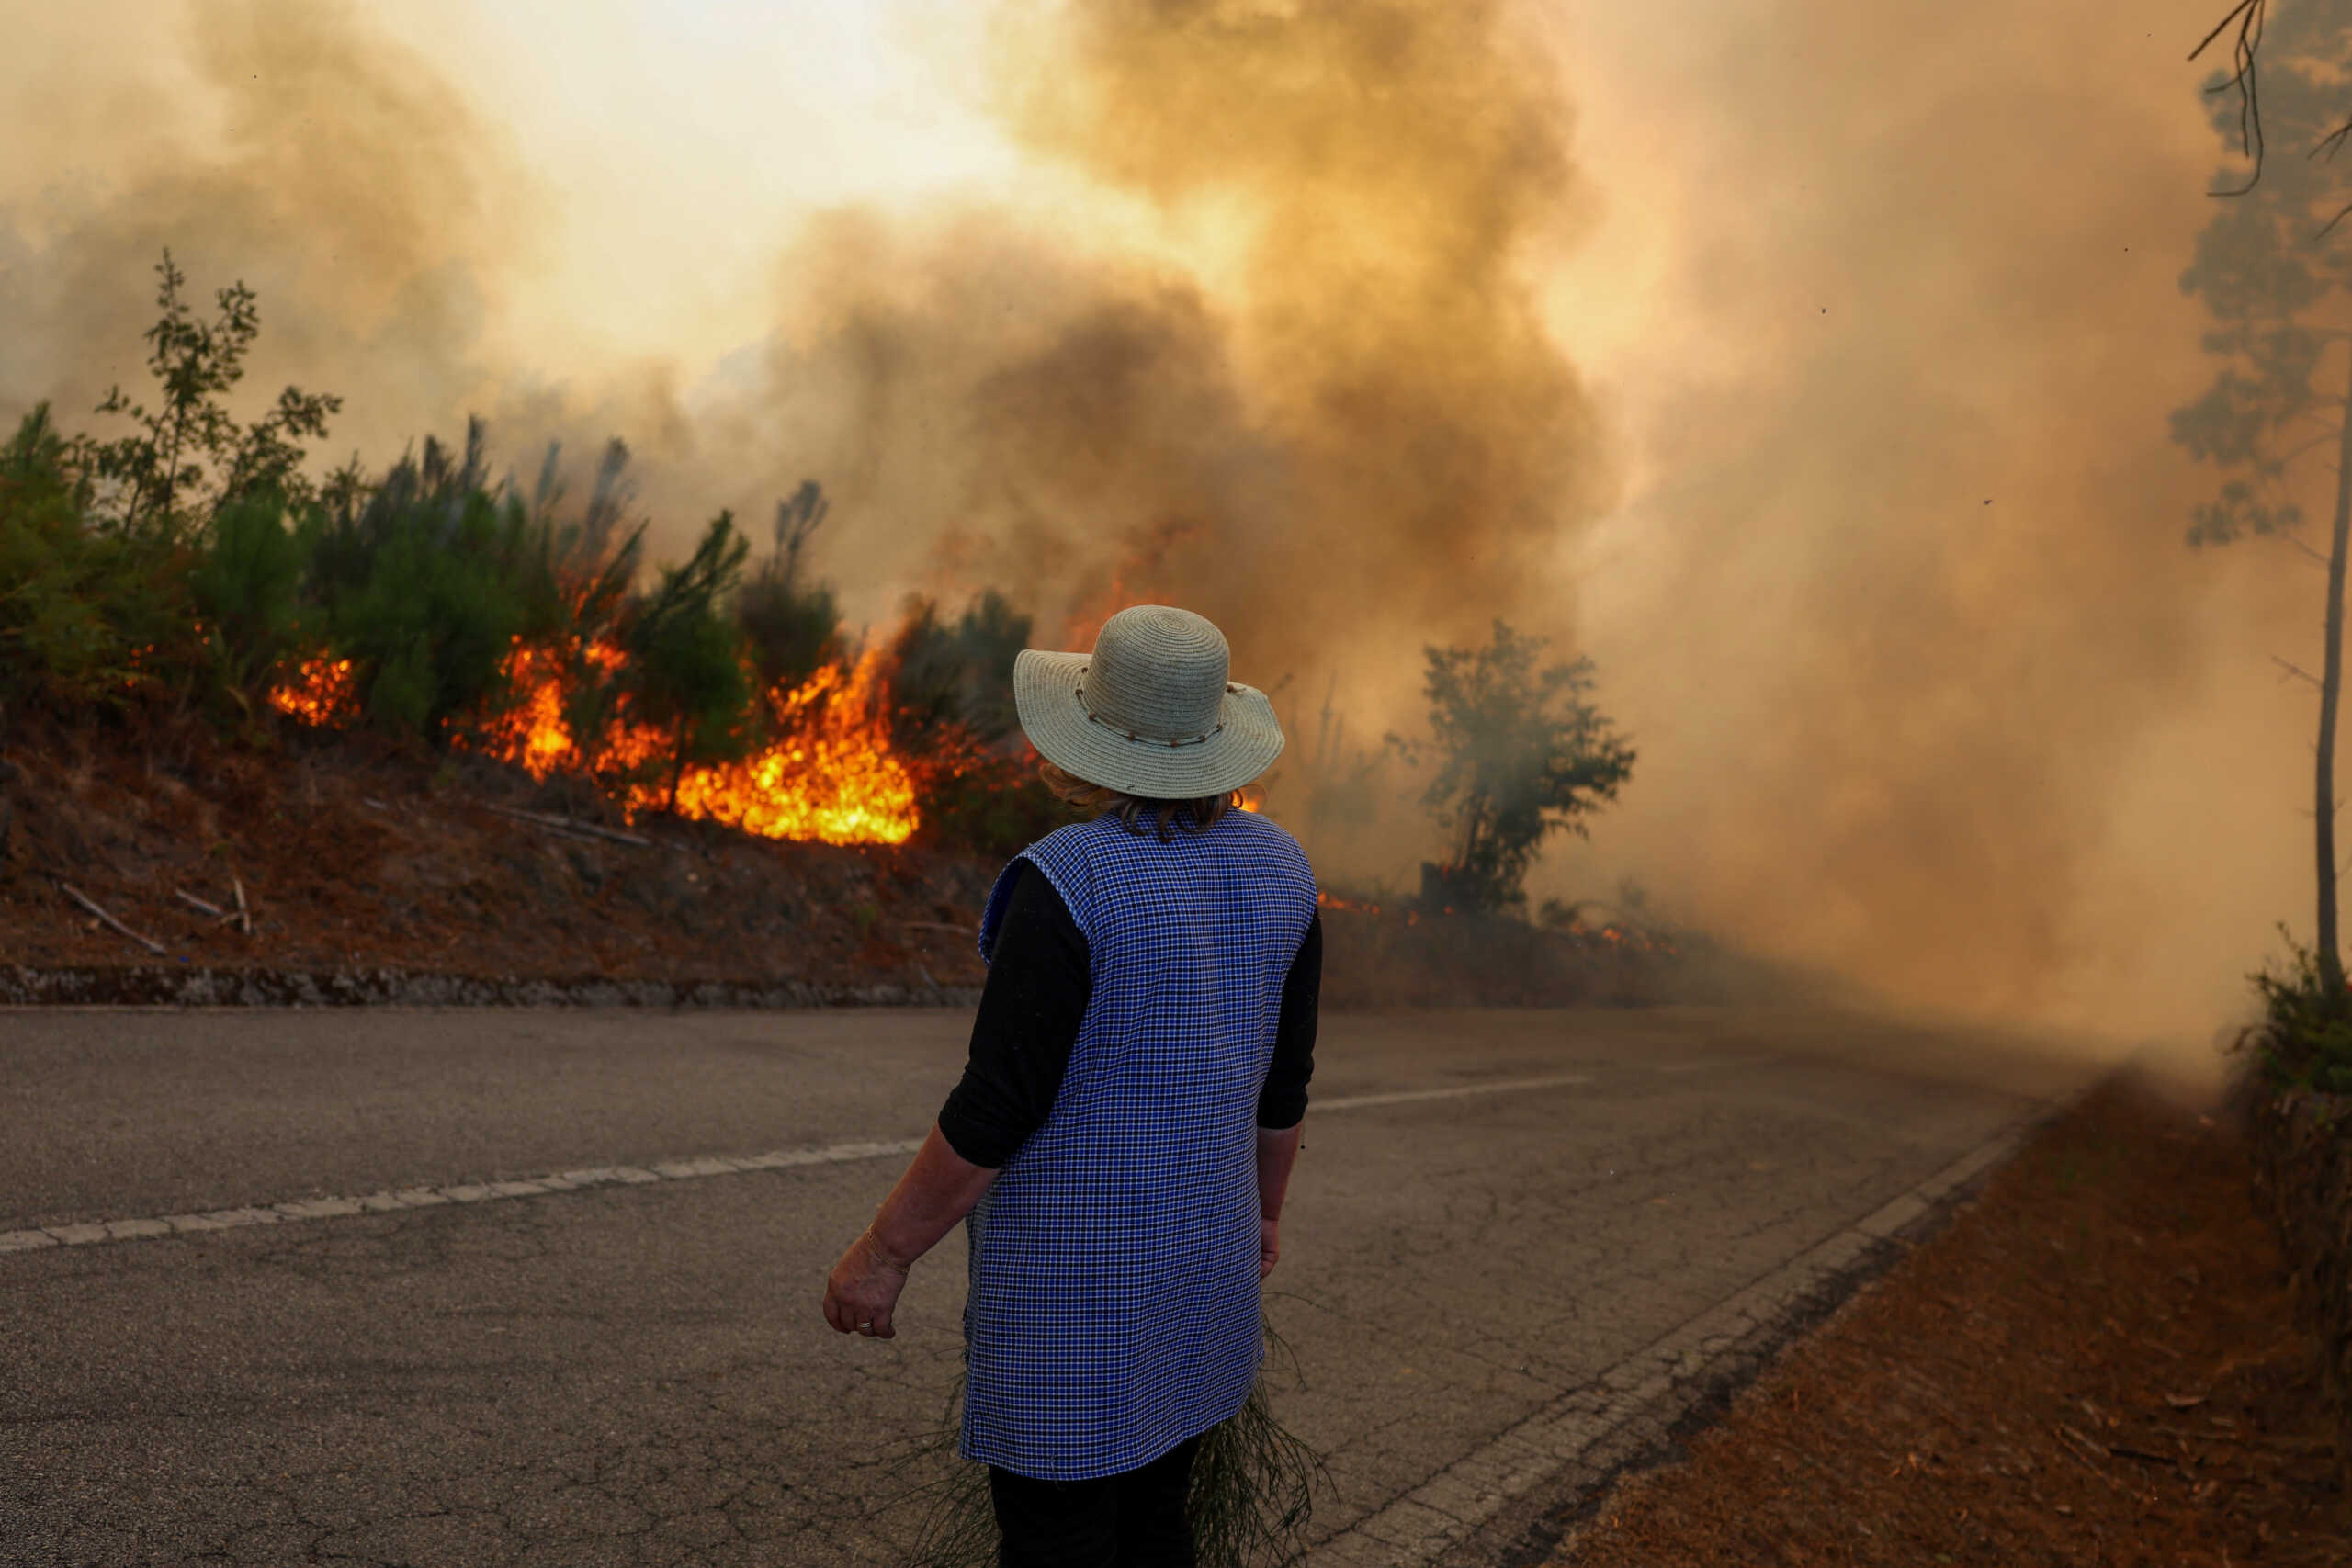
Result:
pixel 638 1373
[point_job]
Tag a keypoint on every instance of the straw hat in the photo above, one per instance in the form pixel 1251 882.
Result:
pixel 1150 711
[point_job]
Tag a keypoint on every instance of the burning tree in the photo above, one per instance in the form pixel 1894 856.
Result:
pixel 2273 271
pixel 1520 754
pixel 427 579
pixel 954 678
pixel 688 676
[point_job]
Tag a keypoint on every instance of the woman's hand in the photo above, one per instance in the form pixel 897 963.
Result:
pixel 863 1290
pixel 1277 1149
pixel 939 1189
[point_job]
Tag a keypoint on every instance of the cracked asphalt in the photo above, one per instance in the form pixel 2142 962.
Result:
pixel 639 1375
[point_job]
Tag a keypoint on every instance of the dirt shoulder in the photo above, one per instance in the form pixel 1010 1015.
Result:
pixel 357 858
pixel 358 862
pixel 2096 1363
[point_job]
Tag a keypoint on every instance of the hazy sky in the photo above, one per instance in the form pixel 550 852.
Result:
pixel 684 141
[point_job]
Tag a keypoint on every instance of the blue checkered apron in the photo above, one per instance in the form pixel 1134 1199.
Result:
pixel 1114 1307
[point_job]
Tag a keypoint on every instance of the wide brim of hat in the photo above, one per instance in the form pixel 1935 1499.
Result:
pixel 1046 694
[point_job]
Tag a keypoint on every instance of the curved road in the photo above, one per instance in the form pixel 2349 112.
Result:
pixel 1493 1209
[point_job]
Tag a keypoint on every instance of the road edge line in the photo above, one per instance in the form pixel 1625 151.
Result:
pixel 1481 1506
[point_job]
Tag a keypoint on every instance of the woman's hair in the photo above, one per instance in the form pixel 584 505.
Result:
pixel 1193 816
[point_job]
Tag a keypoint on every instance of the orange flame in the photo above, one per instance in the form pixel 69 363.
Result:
pixel 830 775
pixel 831 778
pixel 1333 901
pixel 321 692
pixel 534 733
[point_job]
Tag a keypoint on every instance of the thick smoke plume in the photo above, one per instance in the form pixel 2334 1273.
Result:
pixel 280 142
pixel 1337 425
pixel 1931 689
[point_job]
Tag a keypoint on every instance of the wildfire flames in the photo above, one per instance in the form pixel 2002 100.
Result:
pixel 832 778
pixel 320 693
pixel 830 775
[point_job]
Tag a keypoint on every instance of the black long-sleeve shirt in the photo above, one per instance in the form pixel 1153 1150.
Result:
pixel 1039 979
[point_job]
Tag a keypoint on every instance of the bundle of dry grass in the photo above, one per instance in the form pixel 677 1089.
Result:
pixel 1252 1493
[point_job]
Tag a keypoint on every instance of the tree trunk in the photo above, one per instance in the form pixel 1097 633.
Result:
pixel 685 736
pixel 2331 684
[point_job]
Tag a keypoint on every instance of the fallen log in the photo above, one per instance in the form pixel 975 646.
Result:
pixel 573 825
pixel 193 902
pixel 562 829
pixel 91 904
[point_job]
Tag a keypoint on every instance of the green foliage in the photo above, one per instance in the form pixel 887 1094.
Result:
pixel 791 626
pixel 686 670
pixel 991 803
pixel 951 703
pixel 2304 1038
pixel 192 558
pixel 86 617
pixel 246 588
pixel 426 581
pixel 190 457
pixel 594 576
pixel 159 561
pixel 1521 753
pixel 955 674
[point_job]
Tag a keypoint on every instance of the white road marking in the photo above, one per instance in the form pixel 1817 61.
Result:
pixel 1459 1091
pixel 433 1197
pixel 86 1233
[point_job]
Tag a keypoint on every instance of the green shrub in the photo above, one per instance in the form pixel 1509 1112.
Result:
pixel 991 803
pixel 247 590
pixel 686 671
pixel 188 457
pixel 159 561
pixel 1521 754
pixel 955 674
pixel 88 617
pixel 2305 1037
pixel 426 581
pixel 791 626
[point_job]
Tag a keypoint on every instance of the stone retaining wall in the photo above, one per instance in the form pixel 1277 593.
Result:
pixel 187 985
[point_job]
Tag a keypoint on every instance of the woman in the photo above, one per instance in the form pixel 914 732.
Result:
pixel 1124 1128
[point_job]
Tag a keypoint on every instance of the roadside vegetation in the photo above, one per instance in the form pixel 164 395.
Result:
pixel 188 569
pixel 2274 271
pixel 1518 752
